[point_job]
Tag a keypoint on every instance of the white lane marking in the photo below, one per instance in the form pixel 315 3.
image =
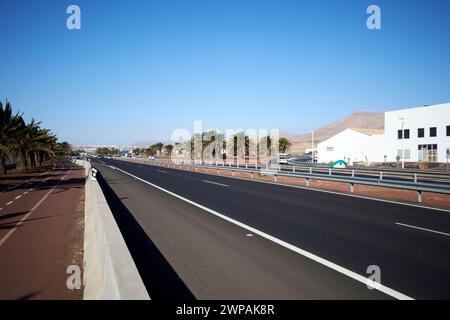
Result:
pixel 423 229
pixel 325 191
pixel 216 183
pixel 31 189
pixel 329 264
pixel 1 208
pixel 25 193
pixel 9 203
pixel 11 231
pixel 162 171
pixel 249 234
pixel 18 197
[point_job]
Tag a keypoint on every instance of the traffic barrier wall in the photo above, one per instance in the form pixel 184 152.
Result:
pixel 109 270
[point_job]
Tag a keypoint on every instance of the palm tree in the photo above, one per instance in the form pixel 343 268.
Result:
pixel 7 127
pixel 168 148
pixel 284 144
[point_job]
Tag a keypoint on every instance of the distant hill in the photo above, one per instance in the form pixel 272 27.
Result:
pixel 358 119
pixel 142 143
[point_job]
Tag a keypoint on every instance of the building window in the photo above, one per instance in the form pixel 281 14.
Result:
pixel 407 153
pixel 420 132
pixel 330 148
pixel 433 132
pixel 399 134
pixel 406 134
pixel 427 152
pixel 448 131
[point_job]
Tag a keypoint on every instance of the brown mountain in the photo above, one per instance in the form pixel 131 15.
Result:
pixel 358 119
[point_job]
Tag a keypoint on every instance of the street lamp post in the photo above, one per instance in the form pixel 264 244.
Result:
pixel 312 146
pixel 403 139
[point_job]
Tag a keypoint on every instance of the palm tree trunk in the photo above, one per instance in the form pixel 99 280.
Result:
pixel 37 158
pixel 3 169
pixel 32 159
pixel 21 164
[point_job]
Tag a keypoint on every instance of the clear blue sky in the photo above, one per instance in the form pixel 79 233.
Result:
pixel 140 69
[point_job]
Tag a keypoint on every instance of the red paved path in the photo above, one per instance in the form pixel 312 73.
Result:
pixel 41 234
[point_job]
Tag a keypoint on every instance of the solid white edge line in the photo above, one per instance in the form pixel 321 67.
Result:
pixel 317 190
pixel 216 183
pixel 329 264
pixel 423 229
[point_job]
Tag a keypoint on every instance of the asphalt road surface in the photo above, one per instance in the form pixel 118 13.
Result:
pixel 203 236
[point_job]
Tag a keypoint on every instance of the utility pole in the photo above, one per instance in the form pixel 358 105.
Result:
pixel 403 139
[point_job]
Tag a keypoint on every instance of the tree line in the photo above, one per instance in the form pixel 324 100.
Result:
pixel 27 145
pixel 243 144
pixel 213 141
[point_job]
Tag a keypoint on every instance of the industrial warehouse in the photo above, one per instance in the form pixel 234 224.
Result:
pixel 419 134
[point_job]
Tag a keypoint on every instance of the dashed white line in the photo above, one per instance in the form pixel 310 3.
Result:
pixel 216 183
pixel 9 203
pixel 18 197
pixel 423 229
pixel 11 231
pixel 367 281
pixel 25 193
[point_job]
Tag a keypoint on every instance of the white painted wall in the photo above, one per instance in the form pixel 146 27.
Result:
pixel 352 146
pixel 423 117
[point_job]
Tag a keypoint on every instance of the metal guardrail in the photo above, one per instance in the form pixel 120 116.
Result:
pixel 380 181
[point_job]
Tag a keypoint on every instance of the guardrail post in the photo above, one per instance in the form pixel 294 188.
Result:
pixel 310 170
pixel 381 175
pixel 419 195
pixel 415 177
pixel 293 169
pixel 246 165
pixel 307 182
pixel 329 171
pixel 232 172
pixel 275 178
pixel 256 165
pixel 353 173
pixel 351 187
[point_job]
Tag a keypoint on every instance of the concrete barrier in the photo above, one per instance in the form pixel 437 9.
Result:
pixel 109 270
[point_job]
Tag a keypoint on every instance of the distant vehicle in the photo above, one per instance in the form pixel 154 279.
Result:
pixel 151 157
pixel 338 164
pixel 282 158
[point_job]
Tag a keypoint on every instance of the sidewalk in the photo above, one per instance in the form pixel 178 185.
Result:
pixel 41 234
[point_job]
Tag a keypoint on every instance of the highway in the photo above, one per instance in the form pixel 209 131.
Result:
pixel 194 235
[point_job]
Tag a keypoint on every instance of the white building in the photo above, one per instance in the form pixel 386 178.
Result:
pixel 352 145
pixel 425 135
pixel 420 134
